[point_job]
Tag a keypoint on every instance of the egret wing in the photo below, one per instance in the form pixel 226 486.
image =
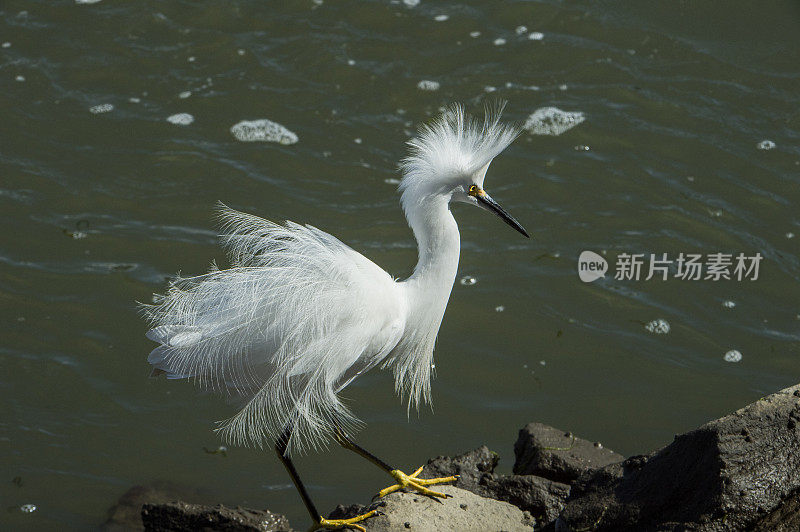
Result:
pixel 296 318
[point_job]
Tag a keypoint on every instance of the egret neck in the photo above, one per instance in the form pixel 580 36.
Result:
pixel 439 245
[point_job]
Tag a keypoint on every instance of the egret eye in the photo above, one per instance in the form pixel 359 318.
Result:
pixel 473 190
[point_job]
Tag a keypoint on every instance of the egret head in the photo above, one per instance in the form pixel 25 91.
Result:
pixel 449 157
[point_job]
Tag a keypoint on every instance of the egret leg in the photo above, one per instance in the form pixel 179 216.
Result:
pixel 281 444
pixel 403 480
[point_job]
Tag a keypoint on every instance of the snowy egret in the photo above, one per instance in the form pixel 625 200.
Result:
pixel 299 314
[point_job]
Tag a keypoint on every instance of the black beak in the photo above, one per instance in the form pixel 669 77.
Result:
pixel 486 201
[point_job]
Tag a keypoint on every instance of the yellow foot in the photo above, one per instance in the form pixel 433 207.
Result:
pixel 411 481
pixel 338 524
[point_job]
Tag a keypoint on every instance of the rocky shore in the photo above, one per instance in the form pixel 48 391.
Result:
pixel 739 472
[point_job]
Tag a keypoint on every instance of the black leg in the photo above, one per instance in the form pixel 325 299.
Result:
pixel 280 447
pixel 281 444
pixel 402 479
pixel 347 443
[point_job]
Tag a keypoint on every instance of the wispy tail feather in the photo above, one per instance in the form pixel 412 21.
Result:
pixel 270 329
pixel 163 363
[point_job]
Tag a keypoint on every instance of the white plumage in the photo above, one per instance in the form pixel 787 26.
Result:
pixel 299 314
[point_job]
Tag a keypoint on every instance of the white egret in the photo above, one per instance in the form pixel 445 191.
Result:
pixel 299 314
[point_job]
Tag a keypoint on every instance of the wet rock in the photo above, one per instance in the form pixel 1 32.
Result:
pixel 557 455
pixel 462 512
pixel 181 516
pixel 741 471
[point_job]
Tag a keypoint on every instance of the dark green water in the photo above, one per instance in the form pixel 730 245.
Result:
pixel 677 96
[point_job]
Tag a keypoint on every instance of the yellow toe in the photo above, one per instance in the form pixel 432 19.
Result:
pixel 338 524
pixel 418 484
pixel 442 480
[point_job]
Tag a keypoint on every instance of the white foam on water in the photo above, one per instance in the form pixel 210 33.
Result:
pixel 6 45
pixel 499 41
pixel 499 308
pixel 263 130
pixel 789 235
pixel 411 3
pixel 20 78
pixel 28 508
pixel 180 119
pixel 441 18
pixel 659 326
pixel 510 85
pixel 474 34
pixel 467 280
pixel 428 85
pixel 79 2
pixel 552 121
pixel 729 304
pixel 734 355
pixel 185 94
pixel 765 145
pixel 102 108
pixel 536 36
pixel 519 30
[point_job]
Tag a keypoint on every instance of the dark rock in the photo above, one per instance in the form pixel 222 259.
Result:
pixel 470 466
pixel 784 518
pixel 557 455
pixel 181 516
pixel 739 472
pixel 543 498
pixel 345 512
pixel 127 513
